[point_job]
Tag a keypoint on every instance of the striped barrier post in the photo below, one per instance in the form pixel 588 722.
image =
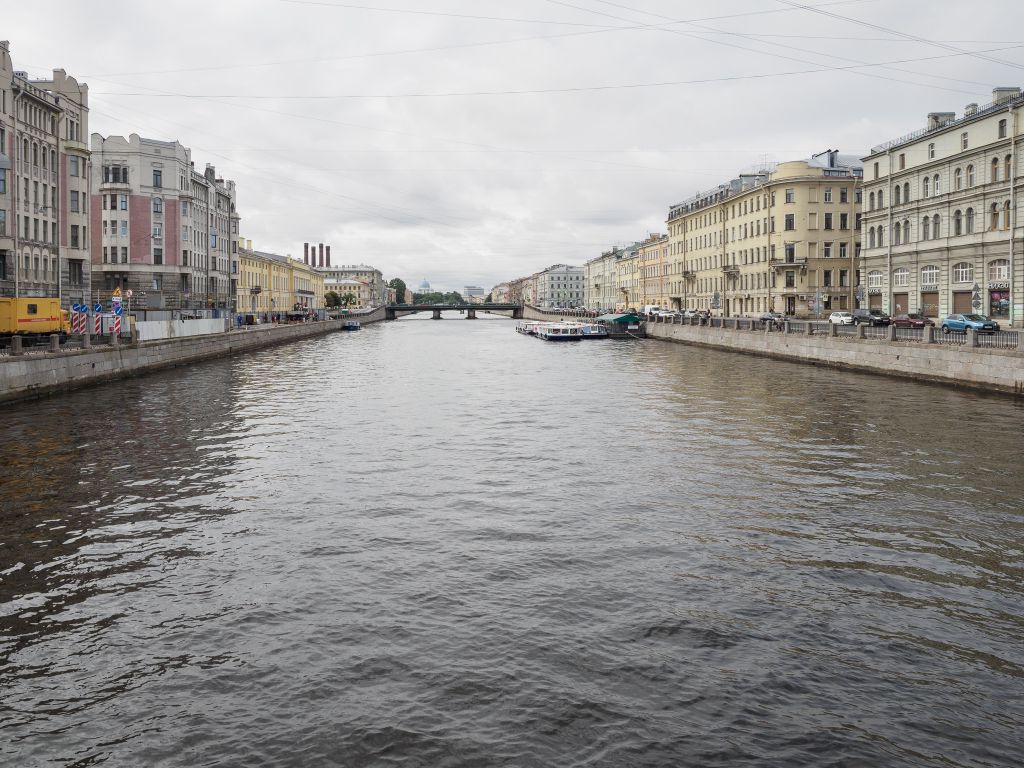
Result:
pixel 98 330
pixel 117 325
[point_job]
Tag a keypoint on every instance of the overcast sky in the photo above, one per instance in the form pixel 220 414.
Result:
pixel 473 141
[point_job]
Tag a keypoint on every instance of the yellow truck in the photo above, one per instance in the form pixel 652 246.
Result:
pixel 32 317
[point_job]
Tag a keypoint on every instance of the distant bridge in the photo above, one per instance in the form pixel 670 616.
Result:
pixel 393 311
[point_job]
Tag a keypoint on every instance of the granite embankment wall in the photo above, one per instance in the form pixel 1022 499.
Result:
pixel 42 373
pixel 964 365
pixel 1000 370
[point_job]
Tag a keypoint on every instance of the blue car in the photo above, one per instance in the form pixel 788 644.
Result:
pixel 960 324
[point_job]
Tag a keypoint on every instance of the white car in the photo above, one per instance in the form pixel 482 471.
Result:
pixel 841 318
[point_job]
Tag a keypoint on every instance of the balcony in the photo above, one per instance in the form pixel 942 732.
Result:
pixel 731 270
pixel 689 274
pixel 790 263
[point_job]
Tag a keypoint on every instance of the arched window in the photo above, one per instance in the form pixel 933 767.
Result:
pixel 158 205
pixel 881 236
pixel 874 279
pixel 53 159
pixel 993 213
pixel 929 275
pixel 969 228
pixel 925 185
pixel 926 228
pixel 995 169
pixel 35 153
pixel 1006 167
pixel 936 184
pixel 970 176
pixel 871 237
pixel 906 192
pixel 871 201
pixel 896 195
pixel 44 168
pixel 999 270
pixel 936 229
pixel 900 277
pixel 881 198
pixel 897 232
pixel 906 230
pixel 963 272
pixel 1006 215
pixel 958 223
pixel 958 179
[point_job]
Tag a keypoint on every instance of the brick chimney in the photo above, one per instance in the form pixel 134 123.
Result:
pixel 321 255
pixel 305 253
pixel 328 256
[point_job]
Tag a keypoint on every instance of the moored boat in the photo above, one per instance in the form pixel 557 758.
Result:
pixel 559 331
pixel 351 325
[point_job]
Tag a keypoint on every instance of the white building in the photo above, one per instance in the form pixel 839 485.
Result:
pixel 940 222
pixel 560 286
pixel 376 293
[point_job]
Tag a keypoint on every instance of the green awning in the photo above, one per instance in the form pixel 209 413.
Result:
pixel 618 319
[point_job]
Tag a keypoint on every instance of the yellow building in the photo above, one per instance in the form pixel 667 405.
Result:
pixel 785 240
pixel 269 283
pixel 360 292
pixel 652 268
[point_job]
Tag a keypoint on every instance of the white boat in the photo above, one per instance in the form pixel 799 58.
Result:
pixel 559 331
pixel 529 327
pixel 593 331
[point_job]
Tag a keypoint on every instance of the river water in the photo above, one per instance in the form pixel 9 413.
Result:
pixel 446 544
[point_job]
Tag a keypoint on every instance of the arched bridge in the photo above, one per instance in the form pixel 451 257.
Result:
pixel 393 311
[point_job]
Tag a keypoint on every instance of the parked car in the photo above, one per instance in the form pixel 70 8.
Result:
pixel 960 324
pixel 688 313
pixel 841 318
pixel 911 320
pixel 775 319
pixel 870 317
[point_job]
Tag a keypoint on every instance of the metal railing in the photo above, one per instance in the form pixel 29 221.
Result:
pixel 999 339
pixel 909 334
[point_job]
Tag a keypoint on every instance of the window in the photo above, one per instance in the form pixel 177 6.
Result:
pixel 936 230
pixel 930 275
pixel 999 270
pixel 931 151
pixel 158 256
pixel 75 274
pixel 158 205
pixel 970 176
pixel 790 279
pixel 936 184
pixel 958 228
pixel 874 279
pixel 993 217
pixel 1007 164
pixel 72 166
pixel 903 161
pixel 896 195
pixel 789 225
pixel 871 237
pixel 828 194
pixel 74 236
pixel 900 277
pixel 124 228
pixel 958 180
pixel 844 195
pixel 881 236
pixel 906 192
pixel 844 221
pixel 123 199
pixel 3 181
pixel 827 250
pixel 963 272
pixel 969 221
pixel 881 198
pixel 876 170
pixel 790 195
pixel 790 252
pixel 963 140
pixel 1006 215
pixel 897 231
pixel 124 254
pixel 995 169
pixel 74 201
pixel 871 201
pixel 158 178
pixel 158 231
pixel 827 278
pixel 1002 129
pixel 926 185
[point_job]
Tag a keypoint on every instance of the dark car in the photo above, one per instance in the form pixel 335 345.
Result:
pixel 912 320
pixel 773 319
pixel 870 317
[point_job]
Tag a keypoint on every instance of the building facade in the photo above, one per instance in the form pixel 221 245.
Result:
pixel 652 264
pixel 160 228
pixel 44 185
pixel 560 285
pixel 376 293
pixel 940 225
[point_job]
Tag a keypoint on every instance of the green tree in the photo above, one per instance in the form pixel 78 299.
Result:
pixel 332 299
pixel 348 299
pixel 489 299
pixel 400 287
pixel 428 298
pixel 453 297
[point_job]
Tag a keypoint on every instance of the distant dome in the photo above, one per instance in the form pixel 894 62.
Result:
pixel 424 286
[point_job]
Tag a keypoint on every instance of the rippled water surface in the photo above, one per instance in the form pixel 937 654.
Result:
pixel 445 544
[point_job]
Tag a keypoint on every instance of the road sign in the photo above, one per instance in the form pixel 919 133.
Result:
pixel 118 310
pixel 128 293
pixel 98 307
pixel 75 308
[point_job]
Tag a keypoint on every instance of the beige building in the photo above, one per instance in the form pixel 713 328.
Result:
pixel 360 292
pixel 652 265
pixel 940 221
pixel 783 240
pixel 611 280
pixel 44 185
pixel 269 283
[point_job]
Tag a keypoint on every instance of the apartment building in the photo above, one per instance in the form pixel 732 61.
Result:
pixel 44 185
pixel 783 239
pixel 940 223
pixel 606 282
pixel 376 294
pixel 560 285
pixel 652 264
pixel 160 228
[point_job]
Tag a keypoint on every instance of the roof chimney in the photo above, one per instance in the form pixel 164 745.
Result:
pixel 305 253
pixel 328 256
pixel 321 255
pixel 1001 95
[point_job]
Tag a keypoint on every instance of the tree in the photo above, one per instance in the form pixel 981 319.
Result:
pixel 453 297
pixel 332 299
pixel 428 298
pixel 348 299
pixel 488 299
pixel 399 285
